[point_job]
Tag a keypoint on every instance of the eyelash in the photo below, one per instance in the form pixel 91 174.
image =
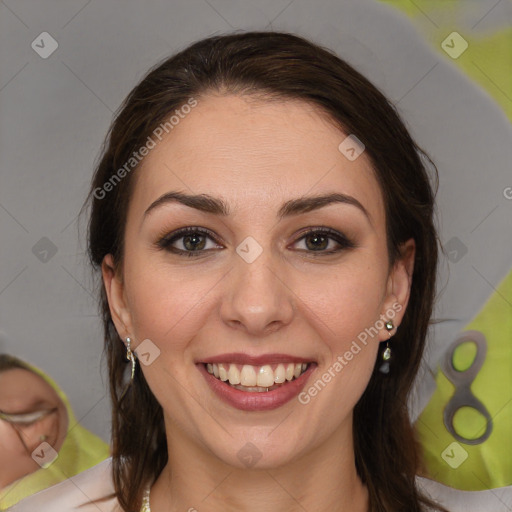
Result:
pixel 165 243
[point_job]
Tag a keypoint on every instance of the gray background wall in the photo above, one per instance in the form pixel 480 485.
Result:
pixel 55 111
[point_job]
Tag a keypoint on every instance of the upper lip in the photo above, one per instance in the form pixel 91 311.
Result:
pixel 240 358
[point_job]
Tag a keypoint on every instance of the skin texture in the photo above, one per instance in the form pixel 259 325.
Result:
pixel 23 391
pixel 256 155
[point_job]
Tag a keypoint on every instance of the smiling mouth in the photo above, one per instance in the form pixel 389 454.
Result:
pixel 257 379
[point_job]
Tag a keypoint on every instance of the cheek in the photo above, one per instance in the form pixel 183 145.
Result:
pixel 10 442
pixel 346 302
pixel 345 313
pixel 165 303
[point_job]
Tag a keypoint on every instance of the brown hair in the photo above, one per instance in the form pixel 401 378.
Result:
pixel 279 66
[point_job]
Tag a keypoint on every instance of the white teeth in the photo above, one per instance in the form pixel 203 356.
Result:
pixel 280 374
pixel 256 376
pixel 248 376
pixel 223 373
pixel 233 374
pixel 265 377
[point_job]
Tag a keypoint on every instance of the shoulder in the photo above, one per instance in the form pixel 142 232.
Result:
pixel 493 500
pixel 79 493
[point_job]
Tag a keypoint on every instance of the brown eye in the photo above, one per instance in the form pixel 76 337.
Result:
pixel 194 242
pixel 325 241
pixel 316 242
pixel 189 241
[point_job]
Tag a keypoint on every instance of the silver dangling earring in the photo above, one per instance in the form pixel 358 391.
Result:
pixel 386 355
pixel 130 356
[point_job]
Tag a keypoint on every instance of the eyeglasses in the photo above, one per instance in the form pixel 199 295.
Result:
pixel 20 420
pixel 462 380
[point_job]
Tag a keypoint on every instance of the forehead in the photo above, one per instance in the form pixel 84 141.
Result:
pixel 17 377
pixel 20 385
pixel 252 151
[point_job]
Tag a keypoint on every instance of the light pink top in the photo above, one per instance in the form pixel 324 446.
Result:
pixel 76 494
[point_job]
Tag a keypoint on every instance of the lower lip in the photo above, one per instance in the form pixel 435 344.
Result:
pixel 253 400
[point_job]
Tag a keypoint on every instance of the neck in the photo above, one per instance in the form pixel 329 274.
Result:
pixel 324 479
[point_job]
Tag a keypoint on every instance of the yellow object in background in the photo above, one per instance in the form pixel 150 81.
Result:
pixel 462 32
pixel 466 428
pixel 80 450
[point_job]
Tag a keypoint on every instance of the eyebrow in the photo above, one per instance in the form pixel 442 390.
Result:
pixel 216 206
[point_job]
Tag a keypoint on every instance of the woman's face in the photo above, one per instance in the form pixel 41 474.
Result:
pixel 24 393
pixel 256 294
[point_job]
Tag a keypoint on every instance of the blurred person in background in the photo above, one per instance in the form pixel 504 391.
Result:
pixel 41 442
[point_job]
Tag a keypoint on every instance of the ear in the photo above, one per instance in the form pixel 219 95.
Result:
pixel 114 288
pixel 398 288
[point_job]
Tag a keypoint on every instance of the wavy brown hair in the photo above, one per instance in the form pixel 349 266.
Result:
pixel 277 66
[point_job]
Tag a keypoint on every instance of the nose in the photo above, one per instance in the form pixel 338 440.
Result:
pixel 257 298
